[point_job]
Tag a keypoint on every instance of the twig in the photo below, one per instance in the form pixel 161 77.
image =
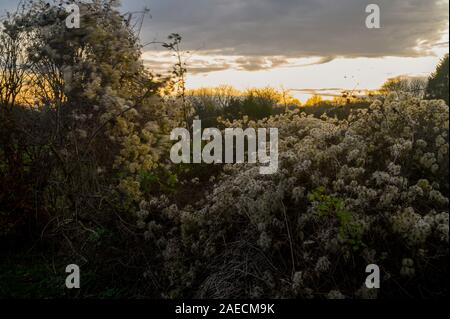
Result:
pixel 290 238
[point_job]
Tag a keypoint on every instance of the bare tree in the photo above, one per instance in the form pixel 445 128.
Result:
pixel 12 62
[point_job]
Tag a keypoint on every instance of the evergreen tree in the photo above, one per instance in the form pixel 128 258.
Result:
pixel 438 83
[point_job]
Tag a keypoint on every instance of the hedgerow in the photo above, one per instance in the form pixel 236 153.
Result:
pixel 369 189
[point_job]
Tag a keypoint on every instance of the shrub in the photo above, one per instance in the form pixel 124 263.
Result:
pixel 438 82
pixel 369 189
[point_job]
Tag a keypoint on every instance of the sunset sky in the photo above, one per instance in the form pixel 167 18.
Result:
pixel 307 46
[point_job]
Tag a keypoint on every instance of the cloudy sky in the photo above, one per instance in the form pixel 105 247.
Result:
pixel 298 44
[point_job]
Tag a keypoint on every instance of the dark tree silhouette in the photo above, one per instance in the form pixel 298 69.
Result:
pixel 438 83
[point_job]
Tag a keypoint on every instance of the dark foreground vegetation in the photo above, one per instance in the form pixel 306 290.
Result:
pixel 86 179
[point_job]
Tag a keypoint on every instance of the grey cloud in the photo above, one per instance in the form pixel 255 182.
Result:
pixel 159 62
pixel 299 28
pixel 321 92
pixel 322 60
pixel 254 63
pixel 208 68
pixel 163 64
pixel 293 28
pixel 199 66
